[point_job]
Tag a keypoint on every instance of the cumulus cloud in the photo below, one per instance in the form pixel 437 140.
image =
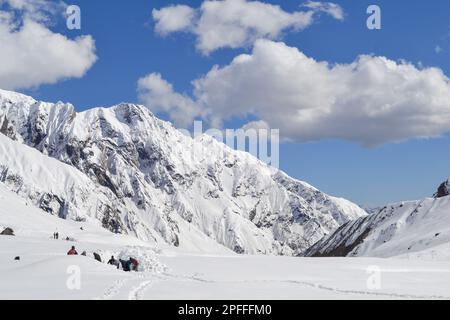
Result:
pixel 158 95
pixel 173 18
pixel 32 54
pixel 371 101
pixel 237 23
pixel 37 10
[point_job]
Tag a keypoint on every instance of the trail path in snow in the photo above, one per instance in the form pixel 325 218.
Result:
pixel 340 293
pixel 257 278
pixel 137 292
pixel 112 290
pixel 131 288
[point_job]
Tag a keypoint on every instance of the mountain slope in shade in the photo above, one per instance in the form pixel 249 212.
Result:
pixel 160 185
pixel 397 229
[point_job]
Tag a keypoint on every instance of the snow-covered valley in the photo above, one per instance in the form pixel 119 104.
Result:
pixel 44 269
pixel 118 181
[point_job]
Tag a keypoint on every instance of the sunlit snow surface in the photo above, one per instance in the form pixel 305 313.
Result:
pixel 42 272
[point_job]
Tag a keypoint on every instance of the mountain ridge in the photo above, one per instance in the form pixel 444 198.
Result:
pixel 157 190
pixel 399 228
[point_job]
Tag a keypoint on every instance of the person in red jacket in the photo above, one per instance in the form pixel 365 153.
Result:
pixel 134 264
pixel 72 252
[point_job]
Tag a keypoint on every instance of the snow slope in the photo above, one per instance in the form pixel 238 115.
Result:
pixel 405 228
pixel 44 269
pixel 153 182
pixel 44 182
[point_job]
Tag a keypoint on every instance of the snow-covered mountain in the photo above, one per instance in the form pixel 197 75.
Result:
pixel 400 228
pixel 137 175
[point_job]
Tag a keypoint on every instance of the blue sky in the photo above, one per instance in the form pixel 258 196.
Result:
pixel 128 49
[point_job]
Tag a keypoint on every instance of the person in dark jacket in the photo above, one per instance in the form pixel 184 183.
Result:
pixel 129 265
pixel 125 265
pixel 72 252
pixel 113 262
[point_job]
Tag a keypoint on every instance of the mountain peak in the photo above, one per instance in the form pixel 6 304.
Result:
pixel 443 189
pixel 14 97
pixel 156 189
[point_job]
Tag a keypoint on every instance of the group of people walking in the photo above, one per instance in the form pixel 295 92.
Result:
pixel 127 265
pixel 73 252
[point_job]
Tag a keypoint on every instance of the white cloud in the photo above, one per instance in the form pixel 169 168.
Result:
pixel 173 18
pixel 330 8
pixel 36 10
pixel 372 100
pixel 31 54
pixel 237 23
pixel 158 95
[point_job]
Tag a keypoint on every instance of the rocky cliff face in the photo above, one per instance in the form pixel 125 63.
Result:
pixel 443 190
pixel 158 184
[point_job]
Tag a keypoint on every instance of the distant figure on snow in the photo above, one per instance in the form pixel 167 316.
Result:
pixel 113 262
pixel 84 253
pixel 133 264
pixel 125 266
pixel 72 252
pixel 129 265
pixel 97 257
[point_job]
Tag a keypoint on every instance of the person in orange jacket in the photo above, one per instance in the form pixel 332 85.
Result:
pixel 72 252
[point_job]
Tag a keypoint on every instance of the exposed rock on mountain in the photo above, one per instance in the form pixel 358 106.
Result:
pixel 139 175
pixel 443 190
